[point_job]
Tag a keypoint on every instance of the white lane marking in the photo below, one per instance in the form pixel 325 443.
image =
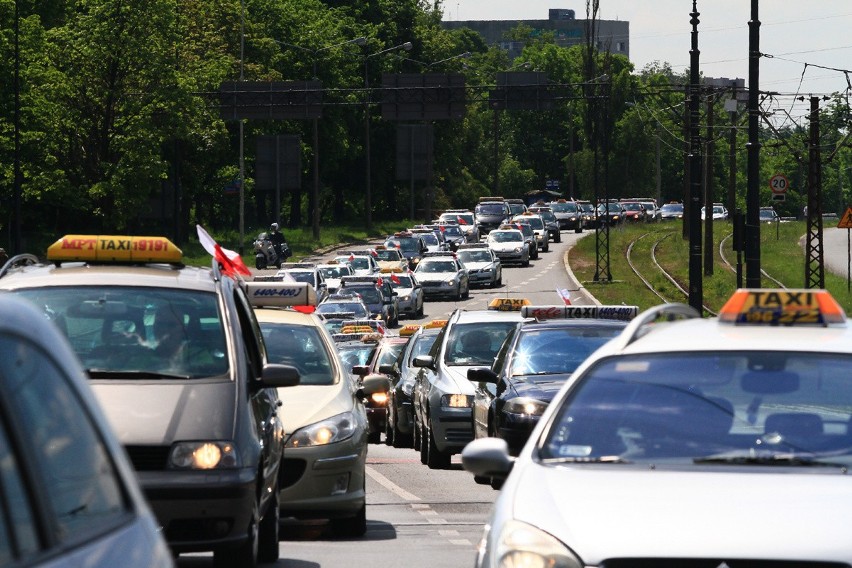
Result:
pixel 390 485
pixel 448 533
pixel 460 541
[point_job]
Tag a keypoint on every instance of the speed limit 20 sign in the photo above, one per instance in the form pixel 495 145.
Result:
pixel 779 184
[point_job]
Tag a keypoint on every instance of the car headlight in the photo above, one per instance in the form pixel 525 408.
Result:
pixel 404 298
pixel 525 405
pixel 450 283
pixel 380 398
pixel 204 455
pixel 457 401
pixel 518 249
pixel 520 544
pixel 334 429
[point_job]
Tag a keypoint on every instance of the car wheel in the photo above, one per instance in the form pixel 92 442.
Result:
pixel 578 230
pixel 458 294
pixel 400 439
pixel 267 548
pixel 351 526
pixel 374 437
pixel 259 263
pixel 424 445
pixel 435 458
pixel 466 292
pixel 244 555
pixel 497 483
pixel 419 313
pixel 389 429
pixel 546 247
pixel 558 238
pixel 526 262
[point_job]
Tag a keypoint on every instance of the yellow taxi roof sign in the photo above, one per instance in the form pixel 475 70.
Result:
pixel 390 269
pixel 408 330
pixel 776 306
pixel 435 324
pixel 113 248
pixel 508 304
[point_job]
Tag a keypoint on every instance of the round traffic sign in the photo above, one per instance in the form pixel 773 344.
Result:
pixel 779 183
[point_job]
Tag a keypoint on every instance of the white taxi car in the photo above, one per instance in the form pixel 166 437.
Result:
pixel 482 263
pixel 324 418
pixel 689 442
pixel 442 274
pixel 509 246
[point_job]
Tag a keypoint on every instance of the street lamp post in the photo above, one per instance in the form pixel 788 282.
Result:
pixel 368 205
pixel 315 212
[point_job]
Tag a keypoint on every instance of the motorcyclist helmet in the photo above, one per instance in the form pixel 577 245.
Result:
pixel 273 227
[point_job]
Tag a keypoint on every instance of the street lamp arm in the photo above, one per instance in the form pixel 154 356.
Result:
pixel 406 46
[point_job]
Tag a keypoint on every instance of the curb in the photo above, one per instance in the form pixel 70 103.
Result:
pixel 584 292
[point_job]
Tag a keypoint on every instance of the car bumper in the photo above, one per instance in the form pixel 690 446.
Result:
pixel 408 306
pixel 451 428
pixel 512 256
pixel 201 511
pixel 516 430
pixel 431 291
pixel 481 277
pixel 323 482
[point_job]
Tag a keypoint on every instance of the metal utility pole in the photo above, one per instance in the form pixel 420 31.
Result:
pixel 708 191
pixel 242 121
pixel 751 236
pixel 814 268
pixel 696 284
pixel 17 244
pixel 732 156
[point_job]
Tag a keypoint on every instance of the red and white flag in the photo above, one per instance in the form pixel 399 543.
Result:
pixel 565 295
pixel 351 257
pixel 395 279
pixel 443 228
pixel 461 221
pixel 229 260
pixel 379 281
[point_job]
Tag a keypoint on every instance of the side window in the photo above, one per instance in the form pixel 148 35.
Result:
pixel 17 517
pixel 252 336
pixel 80 482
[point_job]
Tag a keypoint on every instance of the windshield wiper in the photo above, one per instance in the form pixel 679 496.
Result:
pixel 107 374
pixel 797 460
pixel 590 459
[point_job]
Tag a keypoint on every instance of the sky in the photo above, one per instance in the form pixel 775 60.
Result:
pixel 800 35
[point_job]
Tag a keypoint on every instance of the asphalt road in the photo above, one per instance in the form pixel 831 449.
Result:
pixel 417 517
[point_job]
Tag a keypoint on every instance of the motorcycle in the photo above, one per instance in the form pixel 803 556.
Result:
pixel 266 255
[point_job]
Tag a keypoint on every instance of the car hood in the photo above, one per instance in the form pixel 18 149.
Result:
pixel 437 277
pixel 478 265
pixel 622 511
pixel 506 246
pixel 307 404
pixel 539 387
pixel 454 379
pixel 146 413
pixel 403 291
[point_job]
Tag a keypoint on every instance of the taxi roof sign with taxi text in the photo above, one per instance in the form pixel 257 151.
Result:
pixel 621 313
pixel 781 307
pixel 113 248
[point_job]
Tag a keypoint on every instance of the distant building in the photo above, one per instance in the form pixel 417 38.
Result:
pixel 612 35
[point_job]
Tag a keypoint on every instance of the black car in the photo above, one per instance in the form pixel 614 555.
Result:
pixel 399 429
pixel 533 364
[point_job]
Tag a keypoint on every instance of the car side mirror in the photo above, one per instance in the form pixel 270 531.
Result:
pixel 424 361
pixel 482 375
pixel 275 375
pixel 386 368
pixel 361 370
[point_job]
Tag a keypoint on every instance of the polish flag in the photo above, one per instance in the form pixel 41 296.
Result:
pixel 461 221
pixel 351 257
pixel 379 281
pixel 374 253
pixel 230 261
pixel 442 228
pixel 565 295
pixel 395 279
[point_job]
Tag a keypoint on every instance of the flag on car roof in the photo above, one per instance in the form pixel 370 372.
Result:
pixel 231 262
pixel 565 295
pixel 395 279
pixel 461 221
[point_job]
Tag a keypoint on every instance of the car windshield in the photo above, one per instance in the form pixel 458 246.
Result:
pixel 567 207
pixel 751 408
pixel 299 346
pixel 476 343
pixel 357 309
pixel 506 236
pixel 388 255
pixel 491 209
pixel 352 354
pixel 301 276
pixel 516 208
pixel 403 282
pixel 359 262
pixel 423 345
pixel 405 244
pixel 534 221
pixel 369 294
pixel 547 215
pixel 452 230
pixel 436 266
pixel 335 271
pixel 474 256
pixel 139 332
pixel 672 208
pixel 767 214
pixel 557 350
pixel 430 239
pixel 389 353
pixel 632 206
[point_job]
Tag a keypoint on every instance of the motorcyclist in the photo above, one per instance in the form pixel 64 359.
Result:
pixel 278 241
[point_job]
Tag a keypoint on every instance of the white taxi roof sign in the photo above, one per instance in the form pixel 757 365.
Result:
pixel 620 313
pixel 280 294
pixel 113 248
pixel 508 304
pixel 776 306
